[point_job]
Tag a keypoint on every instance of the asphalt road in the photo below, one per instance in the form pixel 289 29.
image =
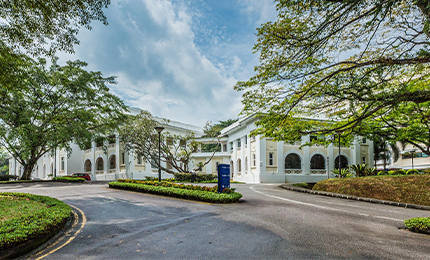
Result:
pixel 269 223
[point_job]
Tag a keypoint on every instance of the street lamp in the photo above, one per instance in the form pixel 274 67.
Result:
pixel 159 130
pixel 412 153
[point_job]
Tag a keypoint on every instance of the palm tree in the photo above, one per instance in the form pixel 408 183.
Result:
pixel 383 150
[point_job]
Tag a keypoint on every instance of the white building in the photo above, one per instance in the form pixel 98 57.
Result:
pixel 251 159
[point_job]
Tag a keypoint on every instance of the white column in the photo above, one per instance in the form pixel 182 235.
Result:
pixel 209 168
pixel 371 154
pixel 356 158
pixel 331 157
pixel 262 152
pixel 248 152
pixel 117 157
pixel 242 154
pixel 228 147
pixel 234 158
pixel 93 158
pixel 280 151
pixel 66 158
pixel 306 158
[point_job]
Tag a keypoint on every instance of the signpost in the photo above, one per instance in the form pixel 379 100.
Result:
pixel 223 177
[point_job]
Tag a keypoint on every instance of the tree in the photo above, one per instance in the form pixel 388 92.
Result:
pixel 384 150
pixel 4 163
pixel 44 27
pixel 139 136
pixel 352 63
pixel 214 130
pixel 44 109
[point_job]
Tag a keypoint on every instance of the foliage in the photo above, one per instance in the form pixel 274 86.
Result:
pixel 43 109
pixel 412 171
pixel 26 216
pixel 4 163
pixel 359 169
pixel 384 150
pixel 200 177
pixel 382 173
pixel 8 177
pixel 362 64
pixel 421 225
pixel 138 135
pixel 304 185
pixel 410 189
pixel 174 191
pixel 214 130
pixel 68 179
pixel 43 27
pixel 170 184
pixel 400 172
pixel 343 173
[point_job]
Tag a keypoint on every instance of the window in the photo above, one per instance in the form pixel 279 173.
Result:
pixel 364 160
pixel 293 161
pixel 254 160
pixel 122 158
pixel 343 162
pixel 99 164
pixel 216 165
pixel 239 165
pixel 112 139
pixel 224 148
pixel 271 161
pixel 364 140
pixel 318 162
pixel 139 159
pixel 246 141
pixel 231 146
pixel 62 163
pixel 112 162
pixel 238 143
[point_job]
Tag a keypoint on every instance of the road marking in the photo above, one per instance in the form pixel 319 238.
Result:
pixel 321 207
pixel 84 220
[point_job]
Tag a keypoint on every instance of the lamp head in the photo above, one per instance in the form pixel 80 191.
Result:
pixel 159 129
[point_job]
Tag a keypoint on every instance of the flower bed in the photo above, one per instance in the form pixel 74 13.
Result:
pixel 193 192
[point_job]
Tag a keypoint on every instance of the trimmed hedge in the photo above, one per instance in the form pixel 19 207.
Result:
pixel 21 227
pixel 420 225
pixel 68 179
pixel 200 177
pixel 207 196
pixel 8 177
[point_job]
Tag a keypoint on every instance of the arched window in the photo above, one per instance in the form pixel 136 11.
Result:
pixel 99 164
pixel 239 165
pixel 87 165
pixel 112 162
pixel 343 162
pixel 318 162
pixel 292 161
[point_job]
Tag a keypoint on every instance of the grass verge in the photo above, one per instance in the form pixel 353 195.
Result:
pixel 179 192
pixel 410 189
pixel 26 216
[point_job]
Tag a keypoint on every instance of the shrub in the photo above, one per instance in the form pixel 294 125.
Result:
pixel 200 177
pixel 20 226
pixel 8 177
pixel 170 184
pixel 202 194
pixel 426 171
pixel 400 172
pixel 68 179
pixel 421 225
pixel 391 172
pixel 382 173
pixel 412 171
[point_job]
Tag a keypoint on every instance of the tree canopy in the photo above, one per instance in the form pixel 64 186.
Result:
pixel 350 66
pixel 138 135
pixel 43 109
pixel 44 27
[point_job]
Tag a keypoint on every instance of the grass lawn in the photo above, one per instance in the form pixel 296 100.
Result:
pixel 26 216
pixel 411 189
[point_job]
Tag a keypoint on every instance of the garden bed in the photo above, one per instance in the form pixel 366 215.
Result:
pixel 26 216
pixel 192 192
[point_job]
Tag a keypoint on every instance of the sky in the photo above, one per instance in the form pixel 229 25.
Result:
pixel 178 59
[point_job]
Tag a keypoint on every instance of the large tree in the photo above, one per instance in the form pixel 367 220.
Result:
pixel 139 136
pixel 214 130
pixel 44 27
pixel 352 63
pixel 43 109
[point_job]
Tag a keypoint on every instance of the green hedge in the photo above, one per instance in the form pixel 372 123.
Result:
pixel 200 177
pixel 68 179
pixel 421 225
pixel 7 177
pixel 20 227
pixel 207 196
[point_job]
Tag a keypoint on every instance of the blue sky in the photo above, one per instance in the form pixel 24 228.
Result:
pixel 177 59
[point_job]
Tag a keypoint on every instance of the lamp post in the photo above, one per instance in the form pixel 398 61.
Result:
pixel 412 153
pixel 339 132
pixel 159 130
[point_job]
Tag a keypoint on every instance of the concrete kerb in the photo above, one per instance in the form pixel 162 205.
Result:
pixel 289 186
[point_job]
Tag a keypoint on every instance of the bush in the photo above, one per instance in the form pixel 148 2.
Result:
pixel 399 172
pixel 8 177
pixel 412 171
pixel 391 173
pixel 200 177
pixel 179 192
pixel 421 225
pixel 382 173
pixel 68 179
pixel 19 226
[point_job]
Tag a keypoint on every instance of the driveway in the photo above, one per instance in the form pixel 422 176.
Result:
pixel 269 223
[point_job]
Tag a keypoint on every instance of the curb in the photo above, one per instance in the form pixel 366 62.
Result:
pixel 289 186
pixel 35 244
